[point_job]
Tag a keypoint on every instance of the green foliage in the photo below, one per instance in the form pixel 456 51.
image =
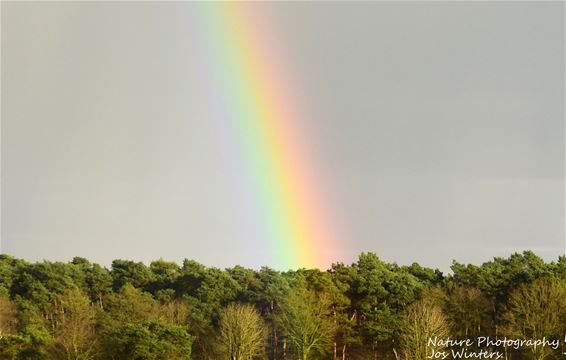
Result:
pixel 153 340
pixel 133 273
pixel 99 283
pixel 499 277
pixel 32 342
pixel 8 267
pixel 81 310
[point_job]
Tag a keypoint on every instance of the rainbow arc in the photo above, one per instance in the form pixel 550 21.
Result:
pixel 256 89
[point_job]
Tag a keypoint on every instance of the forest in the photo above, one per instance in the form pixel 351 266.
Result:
pixel 370 309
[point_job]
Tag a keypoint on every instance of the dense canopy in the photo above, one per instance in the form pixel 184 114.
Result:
pixel 367 310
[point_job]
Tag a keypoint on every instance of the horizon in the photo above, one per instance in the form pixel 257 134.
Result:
pixel 445 271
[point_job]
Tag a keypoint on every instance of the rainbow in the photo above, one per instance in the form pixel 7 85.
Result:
pixel 256 87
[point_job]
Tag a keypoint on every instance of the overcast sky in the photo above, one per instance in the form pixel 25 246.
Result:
pixel 440 126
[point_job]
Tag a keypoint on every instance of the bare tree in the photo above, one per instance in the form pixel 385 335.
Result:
pixel 242 332
pixel 175 312
pixel 423 320
pixel 7 316
pixel 306 322
pixel 74 330
pixel 535 311
pixel 470 311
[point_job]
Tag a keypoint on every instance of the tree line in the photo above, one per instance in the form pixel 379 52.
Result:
pixel 370 309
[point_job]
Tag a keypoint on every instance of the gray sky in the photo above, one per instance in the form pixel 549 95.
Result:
pixel 440 126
